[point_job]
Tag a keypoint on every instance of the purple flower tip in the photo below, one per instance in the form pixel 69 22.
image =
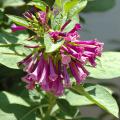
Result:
pixel 15 28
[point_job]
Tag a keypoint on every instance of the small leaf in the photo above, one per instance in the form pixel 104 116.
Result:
pixel 100 97
pixel 108 66
pixel 18 20
pixel 50 46
pixel 39 4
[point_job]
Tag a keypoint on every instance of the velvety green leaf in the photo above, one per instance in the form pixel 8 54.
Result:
pixel 100 97
pixel 100 5
pixel 18 20
pixel 14 108
pixel 108 66
pixel 50 46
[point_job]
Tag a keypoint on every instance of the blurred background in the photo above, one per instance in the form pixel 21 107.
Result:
pixel 100 19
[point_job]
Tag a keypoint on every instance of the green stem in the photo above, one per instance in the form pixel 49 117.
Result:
pixel 52 102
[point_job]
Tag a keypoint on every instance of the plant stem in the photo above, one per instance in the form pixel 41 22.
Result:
pixel 52 102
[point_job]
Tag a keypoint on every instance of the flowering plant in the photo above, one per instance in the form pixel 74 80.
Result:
pixel 58 62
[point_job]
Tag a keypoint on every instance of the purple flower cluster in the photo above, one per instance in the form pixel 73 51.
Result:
pixel 52 71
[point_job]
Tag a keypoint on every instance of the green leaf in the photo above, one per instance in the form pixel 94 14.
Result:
pixel 77 8
pixel 73 7
pixel 38 4
pixel 71 96
pixel 10 60
pixel 14 108
pixel 99 96
pixel 18 20
pixel 50 46
pixel 77 100
pixel 108 66
pixel 59 3
pixel 11 48
pixel 66 108
pixel 71 25
pixel 12 3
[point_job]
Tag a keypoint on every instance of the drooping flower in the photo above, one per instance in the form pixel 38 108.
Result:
pixel 51 71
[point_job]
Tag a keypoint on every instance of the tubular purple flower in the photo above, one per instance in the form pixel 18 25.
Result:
pixel 63 27
pixel 75 72
pixel 15 28
pixel 66 59
pixel 30 82
pixel 53 76
pixel 30 67
pixel 25 61
pixel 76 27
pixel 57 87
pixel 66 77
pixel 36 74
pixel 44 79
pixel 71 52
pixel 42 17
pixel 28 15
pixel 72 36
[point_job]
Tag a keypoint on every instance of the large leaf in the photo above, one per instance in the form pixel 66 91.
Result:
pixel 11 48
pixel 108 66
pixel 50 46
pixel 99 96
pixel 14 108
pixel 18 20
pixel 80 100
